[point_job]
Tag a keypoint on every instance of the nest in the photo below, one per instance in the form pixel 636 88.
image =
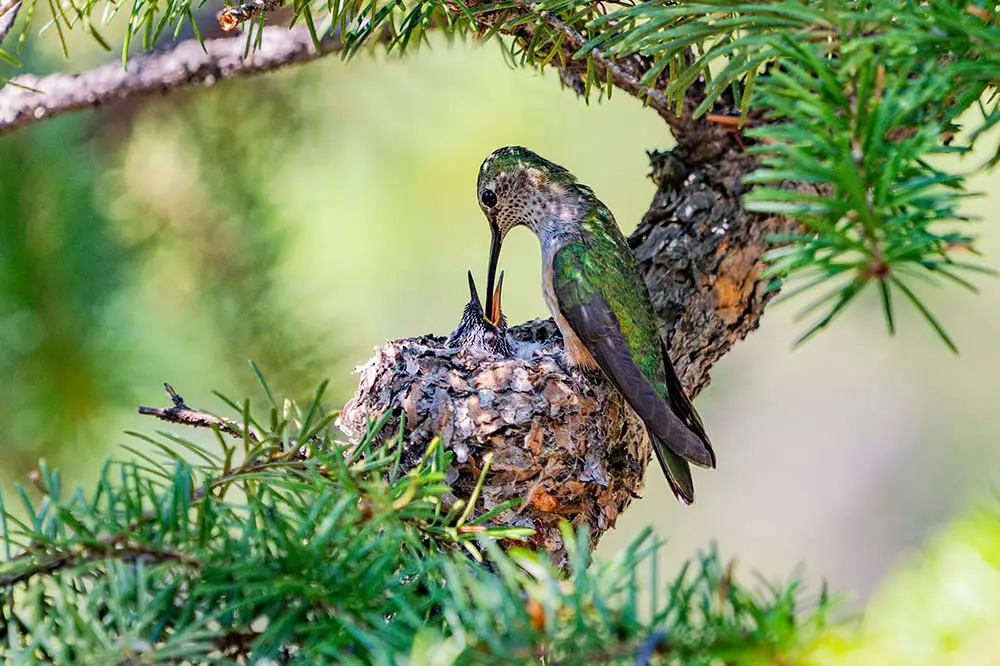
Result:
pixel 562 441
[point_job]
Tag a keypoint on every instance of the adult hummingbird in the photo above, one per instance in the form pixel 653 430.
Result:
pixel 592 285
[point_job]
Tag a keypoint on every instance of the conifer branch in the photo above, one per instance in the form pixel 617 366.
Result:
pixel 607 67
pixel 28 98
pixel 49 562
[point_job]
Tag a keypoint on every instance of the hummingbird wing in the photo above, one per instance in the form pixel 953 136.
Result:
pixel 594 322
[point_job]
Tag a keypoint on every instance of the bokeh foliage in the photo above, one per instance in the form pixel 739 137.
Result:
pixel 100 260
pixel 221 230
pixel 61 273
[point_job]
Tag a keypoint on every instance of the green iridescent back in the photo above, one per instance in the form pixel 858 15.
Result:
pixel 602 260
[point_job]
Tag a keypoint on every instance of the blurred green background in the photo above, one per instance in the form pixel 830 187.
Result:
pixel 303 218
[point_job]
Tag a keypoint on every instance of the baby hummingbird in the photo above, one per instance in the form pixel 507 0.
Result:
pixel 475 333
pixel 598 298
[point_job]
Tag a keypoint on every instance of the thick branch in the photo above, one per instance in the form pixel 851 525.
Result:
pixel 28 98
pixel 702 255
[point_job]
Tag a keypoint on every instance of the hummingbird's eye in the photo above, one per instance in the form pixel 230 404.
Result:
pixel 489 198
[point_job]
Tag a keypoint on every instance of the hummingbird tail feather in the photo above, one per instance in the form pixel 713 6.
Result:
pixel 676 469
pixel 681 406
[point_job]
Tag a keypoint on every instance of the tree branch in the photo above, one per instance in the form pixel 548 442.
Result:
pixel 28 98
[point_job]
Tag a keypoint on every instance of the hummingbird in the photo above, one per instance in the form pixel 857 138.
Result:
pixel 592 285
pixel 478 334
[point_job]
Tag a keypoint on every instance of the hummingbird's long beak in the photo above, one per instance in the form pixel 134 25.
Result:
pixel 495 312
pixel 491 274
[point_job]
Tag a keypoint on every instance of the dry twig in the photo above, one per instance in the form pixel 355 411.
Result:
pixel 181 413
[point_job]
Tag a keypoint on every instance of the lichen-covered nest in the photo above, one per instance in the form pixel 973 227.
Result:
pixel 564 442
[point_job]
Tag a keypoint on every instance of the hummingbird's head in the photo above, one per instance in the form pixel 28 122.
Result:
pixel 476 332
pixel 520 187
pixel 517 186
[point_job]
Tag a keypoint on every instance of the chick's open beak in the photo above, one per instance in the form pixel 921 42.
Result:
pixel 494 316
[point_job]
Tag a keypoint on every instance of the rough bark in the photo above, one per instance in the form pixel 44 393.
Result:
pixel 701 255
pixel 562 441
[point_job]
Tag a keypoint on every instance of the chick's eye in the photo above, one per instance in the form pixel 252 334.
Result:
pixel 489 198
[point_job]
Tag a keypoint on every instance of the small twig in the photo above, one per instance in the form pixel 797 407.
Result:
pixel 231 17
pixel 624 80
pixel 184 415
